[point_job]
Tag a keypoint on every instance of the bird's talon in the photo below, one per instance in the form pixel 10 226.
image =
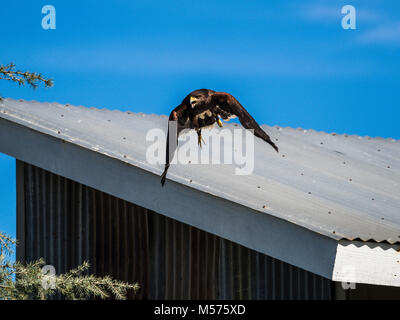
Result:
pixel 199 140
pixel 219 123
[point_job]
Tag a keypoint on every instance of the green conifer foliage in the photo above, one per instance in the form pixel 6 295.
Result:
pixel 19 281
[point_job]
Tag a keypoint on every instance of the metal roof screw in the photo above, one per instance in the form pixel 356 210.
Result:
pixel 302 174
pixel 372 199
pixel 379 150
pixel 321 143
pixel 350 179
pixel 382 218
pixel 309 192
pixel 109 120
pixel 258 187
pixel 124 138
pixel 124 155
pixel 263 206
pixel 329 212
pixel 191 180
pixel 58 131
pixel 62 115
pixel 344 162
pixel 333 231
pixel 388 167
pixel 283 156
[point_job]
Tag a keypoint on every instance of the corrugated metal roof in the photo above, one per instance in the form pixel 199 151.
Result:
pixel 340 186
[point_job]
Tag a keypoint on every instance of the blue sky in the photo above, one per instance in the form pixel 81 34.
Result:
pixel 290 63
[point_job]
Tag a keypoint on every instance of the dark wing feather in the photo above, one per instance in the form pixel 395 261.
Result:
pixel 181 115
pixel 228 104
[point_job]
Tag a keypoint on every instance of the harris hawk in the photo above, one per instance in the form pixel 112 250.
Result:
pixel 201 109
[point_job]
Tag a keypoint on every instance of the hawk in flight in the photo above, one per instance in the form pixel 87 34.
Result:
pixel 202 108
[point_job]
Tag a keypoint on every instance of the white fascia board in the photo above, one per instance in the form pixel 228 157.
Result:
pixel 366 262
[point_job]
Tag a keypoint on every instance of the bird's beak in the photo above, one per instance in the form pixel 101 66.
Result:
pixel 193 99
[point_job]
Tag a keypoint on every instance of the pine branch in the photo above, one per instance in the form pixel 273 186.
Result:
pixel 33 79
pixel 6 244
pixel 26 281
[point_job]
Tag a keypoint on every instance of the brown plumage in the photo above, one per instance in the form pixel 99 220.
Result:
pixel 202 108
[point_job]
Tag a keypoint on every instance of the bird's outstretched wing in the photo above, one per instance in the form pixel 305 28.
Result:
pixel 181 115
pixel 229 106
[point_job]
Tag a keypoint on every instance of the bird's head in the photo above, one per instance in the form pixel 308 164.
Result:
pixel 198 97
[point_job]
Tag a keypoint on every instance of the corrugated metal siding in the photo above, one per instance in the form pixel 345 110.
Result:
pixel 68 223
pixel 340 186
pixel 184 260
pixel 247 274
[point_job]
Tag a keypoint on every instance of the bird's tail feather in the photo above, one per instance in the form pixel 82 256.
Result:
pixel 258 131
pixel 164 175
pixel 266 138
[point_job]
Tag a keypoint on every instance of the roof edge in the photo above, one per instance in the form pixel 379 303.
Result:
pixel 4 99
